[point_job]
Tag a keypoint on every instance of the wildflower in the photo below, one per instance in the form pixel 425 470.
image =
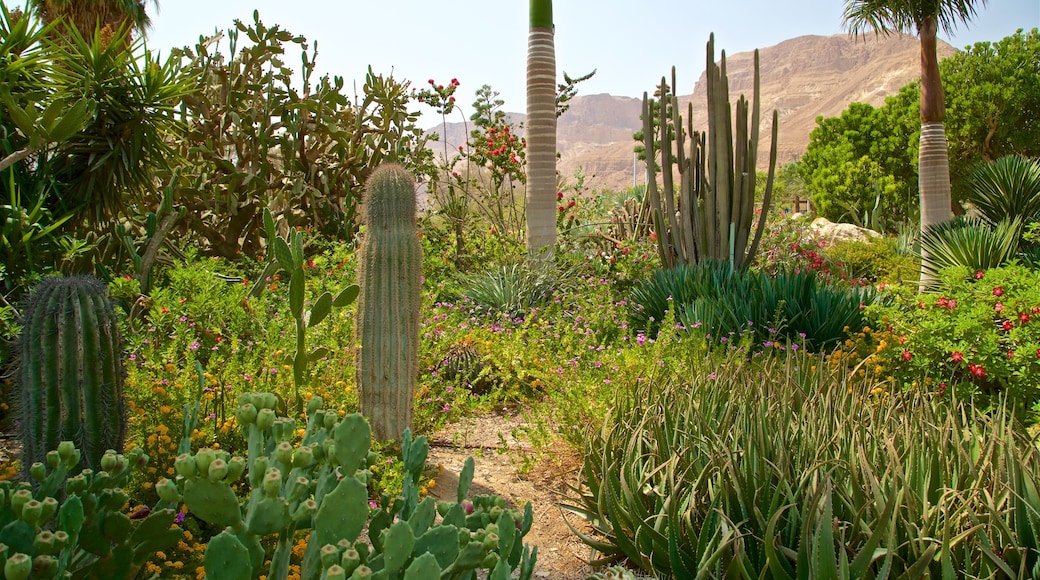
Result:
pixel 979 274
pixel 1007 326
pixel 999 307
pixel 907 355
pixel 1023 318
pixel 998 291
pixel 957 356
pixel 977 370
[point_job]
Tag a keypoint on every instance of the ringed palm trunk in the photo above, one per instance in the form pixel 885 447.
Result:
pixel 934 159
pixel 541 130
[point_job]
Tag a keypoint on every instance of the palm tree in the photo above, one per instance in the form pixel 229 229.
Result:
pixel 541 130
pixel 89 16
pixel 923 17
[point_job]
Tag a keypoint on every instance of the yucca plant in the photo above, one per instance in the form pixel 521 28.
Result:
pixel 970 242
pixel 513 289
pixel 792 468
pixel 1006 188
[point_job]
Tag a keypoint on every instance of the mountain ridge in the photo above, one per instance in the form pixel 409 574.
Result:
pixel 802 78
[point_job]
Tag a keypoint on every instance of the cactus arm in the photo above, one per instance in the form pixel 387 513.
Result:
pixel 767 199
pixel 652 194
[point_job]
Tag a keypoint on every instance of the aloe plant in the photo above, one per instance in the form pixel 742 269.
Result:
pixel 710 212
pixel 794 469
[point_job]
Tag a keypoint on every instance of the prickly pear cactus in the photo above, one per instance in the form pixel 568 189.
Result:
pixel 389 302
pixel 69 373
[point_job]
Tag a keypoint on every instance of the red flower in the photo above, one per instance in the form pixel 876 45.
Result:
pixel 1011 354
pixel 951 304
pixel 907 355
pixel 1023 318
pixel 977 370
pixel 957 356
pixel 998 291
pixel 559 195
pixel 979 274
pixel 455 82
pixel 1007 326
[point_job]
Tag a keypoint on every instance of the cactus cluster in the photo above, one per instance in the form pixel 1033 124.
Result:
pixel 86 534
pixel 69 371
pixel 319 484
pixel 709 214
pixel 389 304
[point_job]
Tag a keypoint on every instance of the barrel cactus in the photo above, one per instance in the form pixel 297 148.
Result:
pixel 69 371
pixel 389 302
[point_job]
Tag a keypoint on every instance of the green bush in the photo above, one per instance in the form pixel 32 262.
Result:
pixel 870 262
pixel 713 299
pixel 977 332
pixel 796 467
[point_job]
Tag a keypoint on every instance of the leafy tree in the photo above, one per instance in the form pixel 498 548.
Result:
pixel 923 17
pixel 993 105
pixel 859 161
pixel 90 16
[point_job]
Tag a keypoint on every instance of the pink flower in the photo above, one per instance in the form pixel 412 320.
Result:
pixel 979 274
pixel 1023 318
pixel 957 356
pixel 998 291
pixel 999 307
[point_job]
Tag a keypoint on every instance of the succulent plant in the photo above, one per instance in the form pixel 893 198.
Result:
pixel 709 213
pixel 389 303
pixel 69 371
pixel 288 255
pixel 319 484
pixel 76 525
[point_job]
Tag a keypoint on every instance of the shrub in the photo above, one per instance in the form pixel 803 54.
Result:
pixel 794 467
pixel 870 262
pixel 976 331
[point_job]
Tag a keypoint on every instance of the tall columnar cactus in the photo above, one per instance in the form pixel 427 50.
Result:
pixel 709 214
pixel 69 373
pixel 389 302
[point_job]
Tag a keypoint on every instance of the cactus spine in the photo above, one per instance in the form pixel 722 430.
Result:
pixel 709 214
pixel 389 302
pixel 70 376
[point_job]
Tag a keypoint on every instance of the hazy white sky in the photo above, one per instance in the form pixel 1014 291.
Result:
pixel 631 44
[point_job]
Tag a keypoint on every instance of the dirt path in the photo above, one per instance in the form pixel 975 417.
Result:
pixel 561 556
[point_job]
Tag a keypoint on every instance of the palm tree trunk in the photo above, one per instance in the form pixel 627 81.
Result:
pixel 541 130
pixel 934 156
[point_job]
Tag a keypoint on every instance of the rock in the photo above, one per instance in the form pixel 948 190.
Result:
pixel 833 232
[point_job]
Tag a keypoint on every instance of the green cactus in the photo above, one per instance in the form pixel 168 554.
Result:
pixel 389 303
pixel 86 535
pixel 287 254
pixel 709 214
pixel 320 484
pixel 69 371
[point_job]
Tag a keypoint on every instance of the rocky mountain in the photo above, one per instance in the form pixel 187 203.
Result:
pixel 802 78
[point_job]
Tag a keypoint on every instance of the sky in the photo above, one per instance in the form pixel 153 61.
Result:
pixel 630 44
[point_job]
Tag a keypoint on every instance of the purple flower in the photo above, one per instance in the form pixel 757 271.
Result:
pixel 180 517
pixel 194 346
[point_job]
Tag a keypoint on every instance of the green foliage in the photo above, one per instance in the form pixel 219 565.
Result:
pixel 1007 188
pixel 787 467
pixel 257 139
pixel 860 160
pixel 320 484
pixel 69 371
pixel 873 261
pixel 971 243
pixel 976 332
pixel 992 103
pixel 713 299
pixel 710 213
pixel 76 525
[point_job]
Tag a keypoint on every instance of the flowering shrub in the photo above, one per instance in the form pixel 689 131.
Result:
pixel 978 332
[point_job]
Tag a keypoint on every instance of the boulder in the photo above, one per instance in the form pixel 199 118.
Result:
pixel 833 232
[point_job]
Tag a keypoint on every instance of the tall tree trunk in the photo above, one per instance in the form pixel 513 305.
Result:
pixel 934 157
pixel 541 130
